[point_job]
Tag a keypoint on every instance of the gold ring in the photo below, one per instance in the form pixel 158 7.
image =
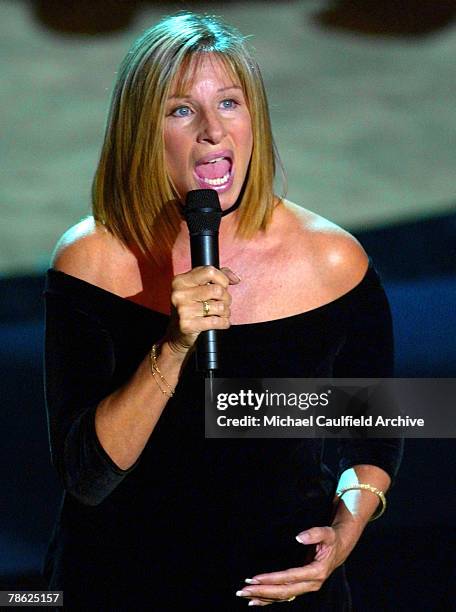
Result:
pixel 291 598
pixel 205 308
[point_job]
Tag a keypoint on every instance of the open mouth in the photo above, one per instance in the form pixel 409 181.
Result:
pixel 215 173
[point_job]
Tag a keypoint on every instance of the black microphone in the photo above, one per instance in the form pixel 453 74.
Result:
pixel 203 214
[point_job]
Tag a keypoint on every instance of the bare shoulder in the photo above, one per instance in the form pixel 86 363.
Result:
pixel 89 252
pixel 336 257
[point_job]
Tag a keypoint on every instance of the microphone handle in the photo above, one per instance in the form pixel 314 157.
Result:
pixel 204 251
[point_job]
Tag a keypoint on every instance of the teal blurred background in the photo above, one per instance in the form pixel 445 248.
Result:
pixel 365 121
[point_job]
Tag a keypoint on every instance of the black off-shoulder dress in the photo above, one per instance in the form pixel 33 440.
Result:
pixel 193 518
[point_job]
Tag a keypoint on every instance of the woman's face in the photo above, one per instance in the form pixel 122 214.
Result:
pixel 208 134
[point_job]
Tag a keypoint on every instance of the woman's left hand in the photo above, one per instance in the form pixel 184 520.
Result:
pixel 331 551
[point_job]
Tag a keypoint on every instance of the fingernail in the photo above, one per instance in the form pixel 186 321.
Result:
pixel 301 538
pixel 254 602
pixel 252 581
pixel 242 593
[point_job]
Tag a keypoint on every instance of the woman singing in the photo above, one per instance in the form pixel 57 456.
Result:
pixel 154 515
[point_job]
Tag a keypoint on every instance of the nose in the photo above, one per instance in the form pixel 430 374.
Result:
pixel 211 128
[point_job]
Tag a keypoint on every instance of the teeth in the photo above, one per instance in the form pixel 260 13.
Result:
pixel 218 181
pixel 212 161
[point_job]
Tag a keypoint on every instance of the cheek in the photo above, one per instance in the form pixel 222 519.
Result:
pixel 246 136
pixel 173 149
pixel 250 140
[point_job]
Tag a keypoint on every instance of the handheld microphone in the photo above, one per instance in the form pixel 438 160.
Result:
pixel 203 214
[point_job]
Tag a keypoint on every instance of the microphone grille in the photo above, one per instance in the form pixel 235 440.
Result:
pixel 202 198
pixel 202 210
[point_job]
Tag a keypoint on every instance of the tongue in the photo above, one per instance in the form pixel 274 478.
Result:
pixel 214 170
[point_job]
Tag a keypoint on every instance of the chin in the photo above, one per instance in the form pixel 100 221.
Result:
pixel 227 200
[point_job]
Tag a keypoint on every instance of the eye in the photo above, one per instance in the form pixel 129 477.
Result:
pixel 181 111
pixel 228 104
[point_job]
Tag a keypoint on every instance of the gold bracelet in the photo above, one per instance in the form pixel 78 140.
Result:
pixel 156 370
pixel 368 487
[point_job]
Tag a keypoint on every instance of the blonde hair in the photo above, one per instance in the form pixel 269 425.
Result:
pixel 132 194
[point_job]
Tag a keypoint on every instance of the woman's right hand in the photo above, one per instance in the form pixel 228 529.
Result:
pixel 188 293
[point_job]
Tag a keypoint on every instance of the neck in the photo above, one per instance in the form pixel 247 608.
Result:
pixel 227 229
pixel 229 243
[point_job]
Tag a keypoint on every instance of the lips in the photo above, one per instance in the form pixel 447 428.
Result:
pixel 214 169
pixel 215 165
pixel 215 155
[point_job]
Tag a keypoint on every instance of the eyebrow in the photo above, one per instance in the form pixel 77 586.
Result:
pixel 218 91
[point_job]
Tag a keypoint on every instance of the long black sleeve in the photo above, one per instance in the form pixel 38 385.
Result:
pixel 79 366
pixel 368 352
